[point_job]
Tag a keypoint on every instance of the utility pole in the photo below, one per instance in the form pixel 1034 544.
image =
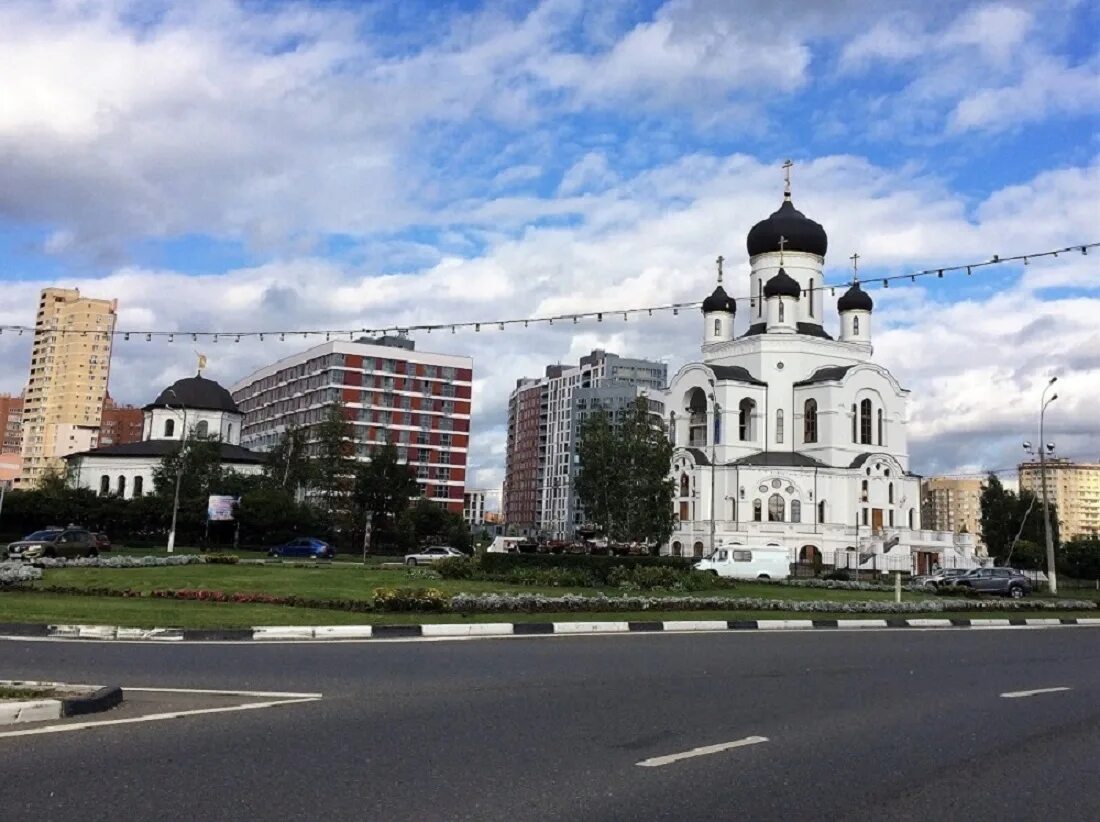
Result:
pixel 179 475
pixel 1052 573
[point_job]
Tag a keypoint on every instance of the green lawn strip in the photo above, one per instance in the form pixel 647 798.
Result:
pixel 152 613
pixel 8 692
pixel 324 582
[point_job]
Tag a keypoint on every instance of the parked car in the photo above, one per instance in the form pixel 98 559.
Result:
pixel 1003 581
pixel 935 580
pixel 304 547
pixel 433 554
pixel 102 542
pixel 54 542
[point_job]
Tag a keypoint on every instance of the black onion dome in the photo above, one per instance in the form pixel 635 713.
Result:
pixel 195 393
pixel 801 233
pixel 855 299
pixel 782 285
pixel 719 300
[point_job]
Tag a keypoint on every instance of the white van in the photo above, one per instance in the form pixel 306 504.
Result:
pixel 504 545
pixel 748 562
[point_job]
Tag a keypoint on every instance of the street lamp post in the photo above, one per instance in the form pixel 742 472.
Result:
pixel 179 473
pixel 715 430
pixel 1052 574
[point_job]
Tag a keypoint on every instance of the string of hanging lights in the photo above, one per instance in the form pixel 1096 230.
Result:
pixel 569 318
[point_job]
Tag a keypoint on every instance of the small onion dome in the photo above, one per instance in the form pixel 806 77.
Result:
pixel 800 232
pixel 719 301
pixel 782 285
pixel 855 299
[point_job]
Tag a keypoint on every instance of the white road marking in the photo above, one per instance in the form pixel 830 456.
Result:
pixel 704 751
pixel 280 698
pixel 1018 694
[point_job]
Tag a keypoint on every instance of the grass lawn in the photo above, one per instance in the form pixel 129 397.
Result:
pixel 328 582
pixel 138 613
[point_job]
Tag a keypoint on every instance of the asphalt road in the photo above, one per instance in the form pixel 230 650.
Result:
pixel 869 726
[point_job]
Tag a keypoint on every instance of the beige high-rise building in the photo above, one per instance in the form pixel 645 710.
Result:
pixel 70 364
pixel 1074 487
pixel 949 504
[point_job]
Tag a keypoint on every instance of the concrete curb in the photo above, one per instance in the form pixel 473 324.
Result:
pixel 100 698
pixel 332 633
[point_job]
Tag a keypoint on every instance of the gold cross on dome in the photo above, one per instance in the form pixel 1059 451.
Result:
pixel 720 260
pixel 855 266
pixel 782 244
pixel 787 177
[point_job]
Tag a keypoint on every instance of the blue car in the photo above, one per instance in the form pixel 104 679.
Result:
pixel 307 547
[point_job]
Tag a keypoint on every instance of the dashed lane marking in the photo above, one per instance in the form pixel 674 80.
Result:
pixel 706 750
pixel 1033 692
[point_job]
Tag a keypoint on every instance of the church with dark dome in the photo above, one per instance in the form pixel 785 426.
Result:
pixel 786 431
pixel 190 408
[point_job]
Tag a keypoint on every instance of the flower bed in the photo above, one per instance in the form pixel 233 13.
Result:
pixel 18 573
pixel 118 561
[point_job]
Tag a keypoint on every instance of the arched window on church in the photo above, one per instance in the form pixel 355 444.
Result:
pixel 911 525
pixel 744 419
pixel 759 298
pixel 777 508
pixel 139 485
pixel 864 492
pixel 880 426
pixel 796 510
pixel 779 425
pixel 809 421
pixel 685 486
pixel 821 511
pixel 890 493
pixel 672 427
pixel 121 485
pixel 865 422
pixel 202 429
pixel 717 328
pixel 782 318
pixel 169 428
pixel 229 433
pixel 810 291
pixel 717 424
pixel 733 508
pixel 756 510
pixel 855 326
pixel 855 418
pixel 104 485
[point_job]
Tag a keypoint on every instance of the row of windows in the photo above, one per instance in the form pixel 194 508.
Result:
pixel 120 488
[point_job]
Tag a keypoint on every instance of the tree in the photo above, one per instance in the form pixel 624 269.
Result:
pixel 382 487
pixel 425 521
pixel 623 479
pixel 287 465
pixel 1008 517
pixel 333 468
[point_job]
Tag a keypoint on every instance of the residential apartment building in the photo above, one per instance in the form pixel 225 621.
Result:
pixel 1074 487
pixel 120 424
pixel 11 424
pixel 70 364
pixel 950 504
pixel 390 392
pixel 542 460
pixel 473 507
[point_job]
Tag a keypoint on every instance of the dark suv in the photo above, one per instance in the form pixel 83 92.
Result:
pixel 55 542
pixel 1007 582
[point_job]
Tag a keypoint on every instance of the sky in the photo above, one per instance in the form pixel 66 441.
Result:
pixel 227 166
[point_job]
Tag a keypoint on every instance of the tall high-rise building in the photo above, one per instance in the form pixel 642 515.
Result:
pixel 949 504
pixel 1074 487
pixel 390 392
pixel 11 424
pixel 543 429
pixel 70 364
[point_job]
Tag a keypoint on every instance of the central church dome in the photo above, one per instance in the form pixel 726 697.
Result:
pixel 800 232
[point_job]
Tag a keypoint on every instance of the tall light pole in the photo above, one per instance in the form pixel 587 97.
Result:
pixel 179 472
pixel 1052 574
pixel 715 429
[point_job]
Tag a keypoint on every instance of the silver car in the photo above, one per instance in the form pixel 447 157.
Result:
pixel 433 554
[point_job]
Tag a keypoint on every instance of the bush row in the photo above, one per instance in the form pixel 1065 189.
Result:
pixel 118 561
pixel 598 566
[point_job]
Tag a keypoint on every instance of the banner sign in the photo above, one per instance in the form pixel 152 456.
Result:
pixel 220 509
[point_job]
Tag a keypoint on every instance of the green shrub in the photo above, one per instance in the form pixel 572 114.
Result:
pixel 409 599
pixel 549 577
pixel 958 591
pixel 599 567
pixel 649 577
pixel 221 559
pixel 457 568
pixel 840 576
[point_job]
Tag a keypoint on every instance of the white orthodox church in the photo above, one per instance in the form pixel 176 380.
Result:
pixel 785 435
pixel 191 407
